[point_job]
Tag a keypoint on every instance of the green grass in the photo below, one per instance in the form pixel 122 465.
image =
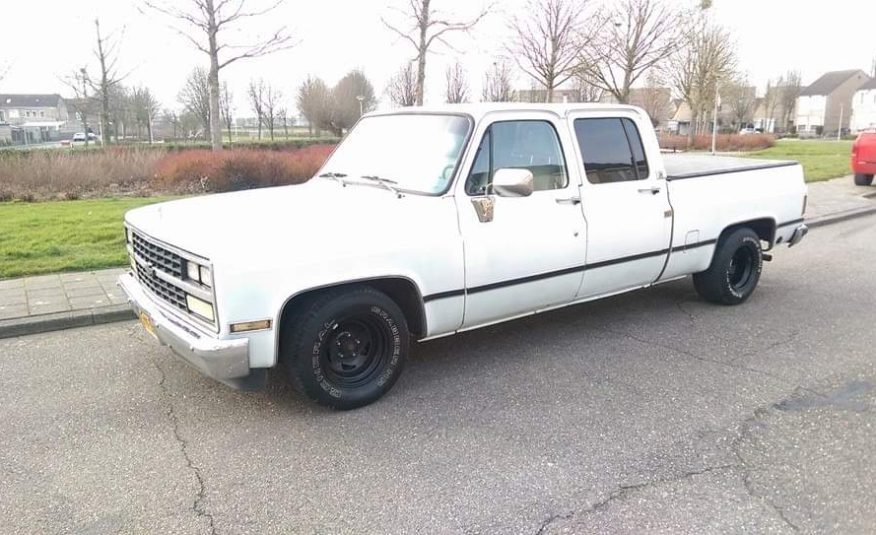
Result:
pixel 821 159
pixel 50 237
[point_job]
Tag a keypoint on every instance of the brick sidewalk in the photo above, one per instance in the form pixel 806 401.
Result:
pixel 66 292
pixel 50 302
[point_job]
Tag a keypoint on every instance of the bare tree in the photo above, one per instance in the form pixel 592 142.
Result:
pixel 422 26
pixel 549 40
pixel 457 84
pixel 195 97
pixel 271 97
pixel 226 107
pixel 346 108
pixel 213 21
pixel 740 98
pixel 769 104
pixel 82 103
pixel 402 87
pixel 704 58
pixel 314 103
pixel 497 84
pixel 790 87
pixel 108 77
pixel 256 93
pixel 146 108
pixel 638 35
pixel 283 118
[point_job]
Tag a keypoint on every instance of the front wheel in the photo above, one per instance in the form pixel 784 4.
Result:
pixel 345 348
pixel 863 180
pixel 735 269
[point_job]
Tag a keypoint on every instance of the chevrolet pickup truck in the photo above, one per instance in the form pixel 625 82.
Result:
pixel 425 222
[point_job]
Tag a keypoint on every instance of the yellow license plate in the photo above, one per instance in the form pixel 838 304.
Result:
pixel 147 323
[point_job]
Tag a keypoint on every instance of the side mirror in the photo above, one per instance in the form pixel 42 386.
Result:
pixel 512 182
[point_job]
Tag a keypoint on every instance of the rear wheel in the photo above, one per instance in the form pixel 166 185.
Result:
pixel 863 180
pixel 735 269
pixel 345 348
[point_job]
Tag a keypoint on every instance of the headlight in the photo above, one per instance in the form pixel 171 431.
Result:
pixel 199 307
pixel 128 238
pixel 199 273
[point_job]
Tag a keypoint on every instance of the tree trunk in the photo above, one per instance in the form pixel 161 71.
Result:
pixel 421 58
pixel 691 132
pixel 213 81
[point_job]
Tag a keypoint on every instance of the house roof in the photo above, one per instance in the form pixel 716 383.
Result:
pixel 869 85
pixel 829 82
pixel 29 100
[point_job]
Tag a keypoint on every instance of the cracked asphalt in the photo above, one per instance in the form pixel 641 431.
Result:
pixel 652 412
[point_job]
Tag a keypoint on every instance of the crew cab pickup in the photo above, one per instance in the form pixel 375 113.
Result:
pixel 426 222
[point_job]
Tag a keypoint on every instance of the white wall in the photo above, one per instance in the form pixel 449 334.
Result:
pixel 863 110
pixel 811 110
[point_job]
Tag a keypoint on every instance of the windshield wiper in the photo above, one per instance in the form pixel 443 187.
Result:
pixel 337 177
pixel 385 182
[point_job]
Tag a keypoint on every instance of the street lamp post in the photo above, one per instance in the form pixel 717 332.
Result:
pixel 84 104
pixel 361 99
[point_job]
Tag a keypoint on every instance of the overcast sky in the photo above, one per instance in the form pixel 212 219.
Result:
pixel 43 40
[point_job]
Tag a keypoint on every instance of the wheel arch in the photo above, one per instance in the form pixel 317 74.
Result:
pixel 764 227
pixel 402 290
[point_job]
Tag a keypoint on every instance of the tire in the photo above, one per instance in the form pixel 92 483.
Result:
pixel 345 348
pixel 735 269
pixel 863 180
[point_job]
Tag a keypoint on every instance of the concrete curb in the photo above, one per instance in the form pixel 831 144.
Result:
pixel 113 313
pixel 64 320
pixel 838 217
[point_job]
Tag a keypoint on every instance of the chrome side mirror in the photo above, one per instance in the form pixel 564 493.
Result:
pixel 510 182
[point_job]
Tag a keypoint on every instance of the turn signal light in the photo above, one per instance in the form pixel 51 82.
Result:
pixel 248 326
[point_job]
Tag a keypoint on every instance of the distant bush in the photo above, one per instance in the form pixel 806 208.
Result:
pixel 278 145
pixel 723 142
pixel 237 169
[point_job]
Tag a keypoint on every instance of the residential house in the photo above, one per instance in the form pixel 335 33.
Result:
pixel 825 106
pixel 32 118
pixel 864 107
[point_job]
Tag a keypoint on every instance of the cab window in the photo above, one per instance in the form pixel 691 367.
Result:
pixel 611 149
pixel 531 145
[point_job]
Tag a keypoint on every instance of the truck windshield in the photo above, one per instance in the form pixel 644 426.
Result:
pixel 417 152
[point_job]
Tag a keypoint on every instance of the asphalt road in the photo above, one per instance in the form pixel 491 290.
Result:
pixel 646 413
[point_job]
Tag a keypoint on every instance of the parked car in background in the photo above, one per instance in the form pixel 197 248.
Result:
pixel 432 221
pixel 864 158
pixel 747 131
pixel 80 137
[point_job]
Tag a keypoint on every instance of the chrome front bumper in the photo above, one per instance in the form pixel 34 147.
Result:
pixel 798 235
pixel 224 360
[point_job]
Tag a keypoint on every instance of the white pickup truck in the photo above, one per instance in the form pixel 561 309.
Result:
pixel 426 222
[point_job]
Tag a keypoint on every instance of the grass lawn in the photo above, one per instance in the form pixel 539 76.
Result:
pixel 49 237
pixel 821 159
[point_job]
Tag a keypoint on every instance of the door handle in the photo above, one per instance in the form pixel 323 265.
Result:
pixel 653 190
pixel 570 200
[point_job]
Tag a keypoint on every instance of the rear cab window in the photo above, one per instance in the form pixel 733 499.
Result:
pixel 611 149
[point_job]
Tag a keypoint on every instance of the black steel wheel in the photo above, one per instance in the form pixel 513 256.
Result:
pixel 345 348
pixel 735 269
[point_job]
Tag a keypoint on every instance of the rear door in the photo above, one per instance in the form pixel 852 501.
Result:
pixel 625 200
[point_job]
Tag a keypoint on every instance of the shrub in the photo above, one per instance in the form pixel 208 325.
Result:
pixel 724 142
pixel 237 169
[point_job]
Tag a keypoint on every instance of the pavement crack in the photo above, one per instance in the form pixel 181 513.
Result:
pixel 198 505
pixel 622 491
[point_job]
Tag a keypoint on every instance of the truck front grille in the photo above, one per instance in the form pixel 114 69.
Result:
pixel 162 289
pixel 167 261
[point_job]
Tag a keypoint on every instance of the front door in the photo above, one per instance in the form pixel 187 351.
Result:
pixel 625 199
pixel 521 253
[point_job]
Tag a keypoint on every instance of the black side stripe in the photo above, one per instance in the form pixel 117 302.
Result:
pixel 789 223
pixel 561 272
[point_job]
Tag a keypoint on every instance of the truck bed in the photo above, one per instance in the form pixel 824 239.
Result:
pixel 681 166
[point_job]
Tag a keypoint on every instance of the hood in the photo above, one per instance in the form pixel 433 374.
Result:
pixel 320 216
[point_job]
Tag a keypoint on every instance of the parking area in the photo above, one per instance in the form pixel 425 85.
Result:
pixel 648 412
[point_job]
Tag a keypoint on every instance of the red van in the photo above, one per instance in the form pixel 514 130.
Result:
pixel 864 158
